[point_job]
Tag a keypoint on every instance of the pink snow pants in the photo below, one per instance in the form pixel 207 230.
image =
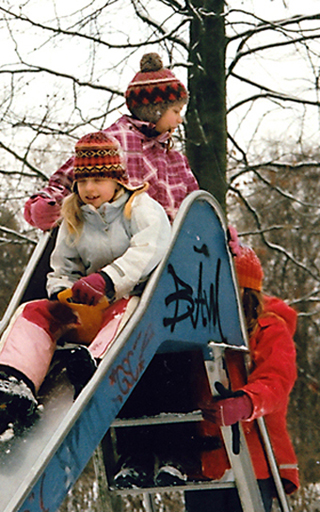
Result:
pixel 31 339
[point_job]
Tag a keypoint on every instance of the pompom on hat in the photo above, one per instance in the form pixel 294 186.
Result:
pixel 99 155
pixel 249 269
pixel 153 89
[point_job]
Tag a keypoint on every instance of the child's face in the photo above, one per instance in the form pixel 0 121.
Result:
pixel 170 119
pixel 96 191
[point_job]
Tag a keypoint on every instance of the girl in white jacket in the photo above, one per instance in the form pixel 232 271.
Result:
pixel 111 238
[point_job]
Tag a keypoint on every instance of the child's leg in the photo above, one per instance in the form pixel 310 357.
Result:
pixel 31 341
pixel 114 319
pixel 81 365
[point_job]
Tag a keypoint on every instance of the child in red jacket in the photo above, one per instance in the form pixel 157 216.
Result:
pixel 155 98
pixel 271 325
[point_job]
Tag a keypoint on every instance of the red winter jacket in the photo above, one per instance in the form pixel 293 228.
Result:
pixel 270 381
pixel 149 157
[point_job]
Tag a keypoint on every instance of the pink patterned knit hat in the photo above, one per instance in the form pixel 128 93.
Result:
pixel 153 89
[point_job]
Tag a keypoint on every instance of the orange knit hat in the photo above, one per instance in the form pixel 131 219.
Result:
pixel 99 155
pixel 249 269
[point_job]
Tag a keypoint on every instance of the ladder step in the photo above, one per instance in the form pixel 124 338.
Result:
pixel 190 486
pixel 159 419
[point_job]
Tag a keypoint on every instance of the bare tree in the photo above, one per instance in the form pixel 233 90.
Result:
pixel 250 128
pixel 277 212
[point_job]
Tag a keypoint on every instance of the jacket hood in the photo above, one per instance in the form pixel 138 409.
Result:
pixel 148 130
pixel 281 309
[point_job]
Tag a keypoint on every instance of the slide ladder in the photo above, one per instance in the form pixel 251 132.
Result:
pixel 191 302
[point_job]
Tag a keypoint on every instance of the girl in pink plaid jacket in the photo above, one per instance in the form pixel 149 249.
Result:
pixel 155 98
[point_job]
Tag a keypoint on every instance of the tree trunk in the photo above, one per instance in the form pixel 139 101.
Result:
pixel 206 115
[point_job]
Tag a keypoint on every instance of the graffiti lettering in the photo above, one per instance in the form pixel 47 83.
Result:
pixel 202 250
pixel 128 372
pixel 203 307
pixel 31 497
pixel 42 507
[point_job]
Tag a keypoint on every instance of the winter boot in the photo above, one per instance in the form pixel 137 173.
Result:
pixel 18 404
pixel 134 472
pixel 80 366
pixel 170 472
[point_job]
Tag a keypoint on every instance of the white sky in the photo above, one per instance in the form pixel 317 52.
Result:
pixel 287 72
pixel 68 56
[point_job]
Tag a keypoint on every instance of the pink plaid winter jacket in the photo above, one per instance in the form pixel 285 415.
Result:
pixel 148 158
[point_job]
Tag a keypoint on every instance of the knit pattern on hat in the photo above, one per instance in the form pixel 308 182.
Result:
pixel 153 89
pixel 99 155
pixel 249 269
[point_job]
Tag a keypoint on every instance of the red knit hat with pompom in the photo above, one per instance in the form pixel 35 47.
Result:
pixel 153 89
pixel 249 269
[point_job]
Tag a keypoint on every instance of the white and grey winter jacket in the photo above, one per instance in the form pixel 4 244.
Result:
pixel 126 249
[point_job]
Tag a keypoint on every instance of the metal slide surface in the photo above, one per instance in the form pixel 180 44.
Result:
pixel 190 300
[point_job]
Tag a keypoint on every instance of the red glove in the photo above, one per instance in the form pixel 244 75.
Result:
pixel 227 411
pixel 42 212
pixel 89 290
pixel 233 241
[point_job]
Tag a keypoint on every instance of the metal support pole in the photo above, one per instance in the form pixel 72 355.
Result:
pixel 241 464
pixel 282 497
pixel 148 501
pixel 245 478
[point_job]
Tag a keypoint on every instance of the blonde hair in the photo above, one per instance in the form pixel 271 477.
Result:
pixel 252 301
pixel 72 214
